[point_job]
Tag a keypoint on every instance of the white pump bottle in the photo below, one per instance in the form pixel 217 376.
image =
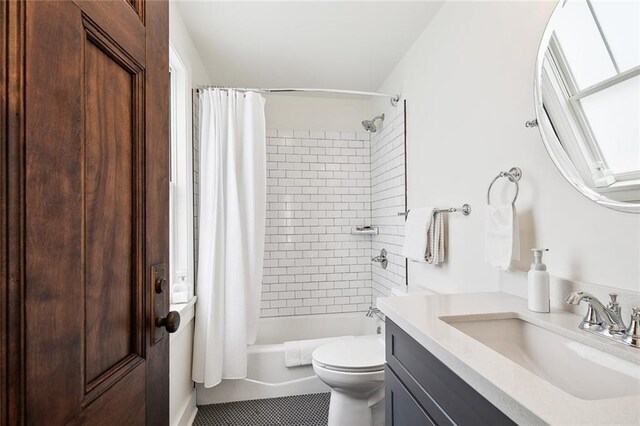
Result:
pixel 538 278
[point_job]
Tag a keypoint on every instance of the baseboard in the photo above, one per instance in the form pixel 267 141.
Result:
pixel 188 412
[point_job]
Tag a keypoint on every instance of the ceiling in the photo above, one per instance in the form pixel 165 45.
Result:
pixel 316 44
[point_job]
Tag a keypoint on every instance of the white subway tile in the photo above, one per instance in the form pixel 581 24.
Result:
pixel 320 185
pixel 332 135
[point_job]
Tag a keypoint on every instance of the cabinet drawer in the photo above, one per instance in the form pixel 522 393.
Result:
pixel 401 407
pixel 447 398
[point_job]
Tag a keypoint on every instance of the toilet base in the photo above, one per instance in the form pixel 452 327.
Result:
pixel 347 409
pixel 377 414
pixel 354 370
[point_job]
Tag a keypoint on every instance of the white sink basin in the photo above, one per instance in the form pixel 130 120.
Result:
pixel 576 368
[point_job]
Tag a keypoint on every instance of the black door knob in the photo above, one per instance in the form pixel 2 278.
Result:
pixel 160 285
pixel 171 322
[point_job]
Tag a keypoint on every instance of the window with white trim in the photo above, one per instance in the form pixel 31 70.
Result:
pixel 180 185
pixel 593 71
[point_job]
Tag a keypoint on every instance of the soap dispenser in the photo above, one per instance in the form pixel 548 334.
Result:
pixel 538 278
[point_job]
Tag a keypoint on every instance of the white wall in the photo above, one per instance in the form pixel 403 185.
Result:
pixel 182 393
pixel 468 83
pixel 301 112
pixel 181 40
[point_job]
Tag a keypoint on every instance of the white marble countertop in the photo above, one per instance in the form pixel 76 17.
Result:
pixel 522 395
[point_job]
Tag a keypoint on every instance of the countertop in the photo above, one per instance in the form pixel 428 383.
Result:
pixel 522 395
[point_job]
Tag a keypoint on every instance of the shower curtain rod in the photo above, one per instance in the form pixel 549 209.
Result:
pixel 394 98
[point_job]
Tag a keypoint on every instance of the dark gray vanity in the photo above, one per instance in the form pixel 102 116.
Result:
pixel 421 390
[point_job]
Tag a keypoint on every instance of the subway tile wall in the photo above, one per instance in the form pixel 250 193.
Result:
pixel 387 199
pixel 318 188
pixel 320 185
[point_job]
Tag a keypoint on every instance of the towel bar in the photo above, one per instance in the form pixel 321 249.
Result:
pixel 465 209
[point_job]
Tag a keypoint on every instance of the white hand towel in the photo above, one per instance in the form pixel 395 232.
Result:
pixel 502 236
pixel 416 229
pixel 298 352
pixel 435 247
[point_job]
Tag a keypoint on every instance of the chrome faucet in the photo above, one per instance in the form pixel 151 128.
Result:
pixel 371 312
pixel 599 315
pixel 382 259
pixel 607 320
pixel 374 311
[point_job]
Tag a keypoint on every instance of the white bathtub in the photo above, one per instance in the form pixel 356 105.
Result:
pixel 267 377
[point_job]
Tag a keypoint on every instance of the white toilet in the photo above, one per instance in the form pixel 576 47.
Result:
pixel 354 370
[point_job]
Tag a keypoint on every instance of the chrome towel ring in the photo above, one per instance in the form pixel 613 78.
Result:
pixel 514 174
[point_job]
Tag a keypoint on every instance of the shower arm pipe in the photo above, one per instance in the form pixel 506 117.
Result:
pixel 394 98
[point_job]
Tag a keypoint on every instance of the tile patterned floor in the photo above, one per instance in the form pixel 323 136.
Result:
pixel 301 410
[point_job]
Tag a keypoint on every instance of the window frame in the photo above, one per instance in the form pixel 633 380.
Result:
pixel 602 175
pixel 181 263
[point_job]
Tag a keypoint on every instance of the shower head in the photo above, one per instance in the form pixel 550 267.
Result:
pixel 370 125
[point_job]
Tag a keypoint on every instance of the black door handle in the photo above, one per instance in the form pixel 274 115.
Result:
pixel 171 322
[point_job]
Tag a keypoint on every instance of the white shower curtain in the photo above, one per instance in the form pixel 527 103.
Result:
pixel 232 230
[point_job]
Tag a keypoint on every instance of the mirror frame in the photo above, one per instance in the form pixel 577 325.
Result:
pixel 558 155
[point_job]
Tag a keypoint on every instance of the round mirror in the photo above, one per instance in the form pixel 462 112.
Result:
pixel 587 95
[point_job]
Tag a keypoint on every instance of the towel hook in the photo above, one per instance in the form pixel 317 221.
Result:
pixel 514 174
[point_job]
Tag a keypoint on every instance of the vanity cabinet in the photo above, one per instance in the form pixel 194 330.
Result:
pixel 421 390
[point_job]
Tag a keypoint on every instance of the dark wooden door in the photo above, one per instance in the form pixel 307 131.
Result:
pixel 84 211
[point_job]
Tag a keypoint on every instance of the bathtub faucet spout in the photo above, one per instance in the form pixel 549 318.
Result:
pixel 374 311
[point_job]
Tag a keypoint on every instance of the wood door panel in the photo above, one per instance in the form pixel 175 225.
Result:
pixel 84 211
pixel 117 403
pixel 109 208
pixel 88 321
pixel 53 189
pixel 120 23
pixel 138 6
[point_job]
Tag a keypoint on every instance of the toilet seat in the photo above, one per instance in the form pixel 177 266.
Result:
pixel 359 355
pixel 349 370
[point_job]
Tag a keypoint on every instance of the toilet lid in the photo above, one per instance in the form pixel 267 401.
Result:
pixel 360 354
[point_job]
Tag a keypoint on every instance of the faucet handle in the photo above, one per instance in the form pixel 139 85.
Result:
pixel 633 331
pixel 613 304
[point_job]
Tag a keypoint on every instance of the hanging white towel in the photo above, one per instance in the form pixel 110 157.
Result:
pixel 299 352
pixel 435 247
pixel 416 229
pixel 502 236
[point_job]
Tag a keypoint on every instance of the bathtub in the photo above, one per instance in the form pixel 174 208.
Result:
pixel 267 377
